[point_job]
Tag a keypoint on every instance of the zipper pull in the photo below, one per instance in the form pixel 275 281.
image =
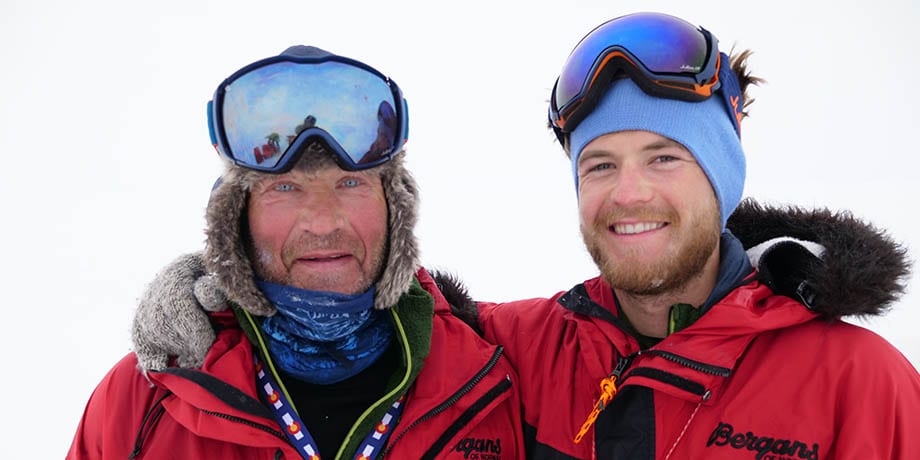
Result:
pixel 608 391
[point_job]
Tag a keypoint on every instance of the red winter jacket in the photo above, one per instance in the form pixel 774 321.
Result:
pixel 464 404
pixel 758 376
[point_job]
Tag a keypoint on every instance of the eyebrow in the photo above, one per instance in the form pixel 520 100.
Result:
pixel 662 144
pixel 651 147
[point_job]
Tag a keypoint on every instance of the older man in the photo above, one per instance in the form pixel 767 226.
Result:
pixel 336 342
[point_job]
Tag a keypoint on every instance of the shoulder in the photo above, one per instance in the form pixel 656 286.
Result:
pixel 519 310
pixel 115 409
pixel 832 335
pixel 865 348
pixel 125 372
pixel 541 312
pixel 847 351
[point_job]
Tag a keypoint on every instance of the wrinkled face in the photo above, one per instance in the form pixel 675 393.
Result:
pixel 322 230
pixel 649 216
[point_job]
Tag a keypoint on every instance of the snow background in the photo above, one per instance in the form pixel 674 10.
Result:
pixel 107 164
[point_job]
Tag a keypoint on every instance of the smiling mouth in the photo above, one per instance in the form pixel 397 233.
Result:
pixel 636 228
pixel 324 258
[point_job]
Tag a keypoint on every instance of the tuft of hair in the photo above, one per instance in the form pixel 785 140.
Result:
pixel 739 64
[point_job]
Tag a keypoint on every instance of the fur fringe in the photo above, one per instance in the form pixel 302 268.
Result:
pixel 863 271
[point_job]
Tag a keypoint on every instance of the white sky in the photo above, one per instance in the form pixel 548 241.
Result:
pixel 107 164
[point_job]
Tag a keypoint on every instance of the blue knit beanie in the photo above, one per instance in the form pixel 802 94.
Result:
pixel 704 128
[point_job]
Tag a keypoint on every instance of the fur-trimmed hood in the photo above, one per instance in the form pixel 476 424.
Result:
pixel 862 271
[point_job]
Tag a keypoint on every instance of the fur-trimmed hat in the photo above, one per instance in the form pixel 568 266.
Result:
pixel 227 251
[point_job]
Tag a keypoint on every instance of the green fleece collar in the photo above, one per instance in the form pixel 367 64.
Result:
pixel 680 317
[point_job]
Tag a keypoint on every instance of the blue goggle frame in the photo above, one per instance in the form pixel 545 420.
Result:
pixel 263 115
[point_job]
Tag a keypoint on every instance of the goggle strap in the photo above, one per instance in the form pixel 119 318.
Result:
pixel 731 92
pixel 728 86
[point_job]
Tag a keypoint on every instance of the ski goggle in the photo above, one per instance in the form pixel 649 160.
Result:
pixel 665 56
pixel 263 115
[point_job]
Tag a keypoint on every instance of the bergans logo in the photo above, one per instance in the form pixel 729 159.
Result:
pixel 480 449
pixel 763 447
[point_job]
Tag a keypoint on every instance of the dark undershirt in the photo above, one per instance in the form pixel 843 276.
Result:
pixel 645 341
pixel 329 411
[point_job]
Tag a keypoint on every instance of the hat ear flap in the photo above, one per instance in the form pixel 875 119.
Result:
pixel 225 253
pixel 402 252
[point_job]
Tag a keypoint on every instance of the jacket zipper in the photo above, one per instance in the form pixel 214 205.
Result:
pixel 657 374
pixel 150 421
pixel 466 388
pixel 689 363
pixel 622 363
pixel 249 423
pixel 611 384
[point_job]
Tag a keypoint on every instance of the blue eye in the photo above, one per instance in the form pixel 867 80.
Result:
pixel 601 167
pixel 284 187
pixel 350 182
pixel 666 159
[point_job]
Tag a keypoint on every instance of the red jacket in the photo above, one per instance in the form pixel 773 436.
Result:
pixel 756 377
pixel 464 404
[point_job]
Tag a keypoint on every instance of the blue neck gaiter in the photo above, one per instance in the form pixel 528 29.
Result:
pixel 324 337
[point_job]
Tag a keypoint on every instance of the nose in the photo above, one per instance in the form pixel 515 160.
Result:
pixel 320 213
pixel 631 186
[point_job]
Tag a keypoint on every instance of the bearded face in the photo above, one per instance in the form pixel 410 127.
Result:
pixel 629 270
pixel 649 216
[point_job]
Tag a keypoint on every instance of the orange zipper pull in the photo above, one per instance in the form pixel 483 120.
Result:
pixel 608 390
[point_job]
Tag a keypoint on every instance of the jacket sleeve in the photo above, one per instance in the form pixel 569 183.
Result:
pixel 878 405
pixel 87 442
pixel 113 414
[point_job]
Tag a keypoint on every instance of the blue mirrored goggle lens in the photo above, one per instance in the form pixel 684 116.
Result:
pixel 266 110
pixel 664 45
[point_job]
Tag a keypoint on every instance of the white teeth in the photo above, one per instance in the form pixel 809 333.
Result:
pixel 631 229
